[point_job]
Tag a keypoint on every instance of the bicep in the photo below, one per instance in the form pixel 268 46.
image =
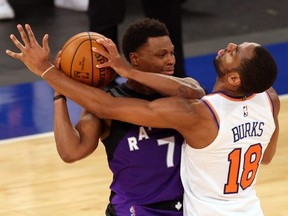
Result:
pixel 89 128
pixel 271 148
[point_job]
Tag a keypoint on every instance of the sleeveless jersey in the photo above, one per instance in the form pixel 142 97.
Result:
pixel 145 161
pixel 219 179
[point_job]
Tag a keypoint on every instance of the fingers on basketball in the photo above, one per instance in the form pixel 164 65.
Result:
pixel 78 61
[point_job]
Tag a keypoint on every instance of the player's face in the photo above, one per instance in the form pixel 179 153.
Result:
pixel 230 58
pixel 157 56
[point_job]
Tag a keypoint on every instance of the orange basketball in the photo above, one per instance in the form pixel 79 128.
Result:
pixel 78 61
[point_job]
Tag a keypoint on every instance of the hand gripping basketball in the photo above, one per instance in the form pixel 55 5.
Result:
pixel 78 61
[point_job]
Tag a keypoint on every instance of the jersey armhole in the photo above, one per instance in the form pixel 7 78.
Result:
pixel 271 102
pixel 214 113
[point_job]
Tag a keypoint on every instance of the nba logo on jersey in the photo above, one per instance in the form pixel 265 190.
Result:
pixel 245 111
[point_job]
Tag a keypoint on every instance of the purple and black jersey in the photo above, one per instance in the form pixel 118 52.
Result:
pixel 145 161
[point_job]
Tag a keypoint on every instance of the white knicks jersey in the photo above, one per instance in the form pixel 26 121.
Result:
pixel 219 179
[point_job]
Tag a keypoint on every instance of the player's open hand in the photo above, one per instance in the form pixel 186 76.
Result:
pixel 114 58
pixel 34 56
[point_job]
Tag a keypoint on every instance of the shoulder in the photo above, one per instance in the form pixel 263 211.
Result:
pixel 182 108
pixel 192 110
pixel 198 126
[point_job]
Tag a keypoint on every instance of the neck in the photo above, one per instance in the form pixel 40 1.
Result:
pixel 229 90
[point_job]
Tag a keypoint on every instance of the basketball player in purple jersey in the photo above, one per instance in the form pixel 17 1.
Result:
pixel 145 161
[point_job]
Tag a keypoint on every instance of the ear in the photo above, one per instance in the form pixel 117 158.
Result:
pixel 133 58
pixel 234 79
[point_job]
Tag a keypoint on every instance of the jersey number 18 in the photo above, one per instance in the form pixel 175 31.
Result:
pixel 248 172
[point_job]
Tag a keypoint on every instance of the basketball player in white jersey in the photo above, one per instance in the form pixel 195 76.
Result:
pixel 228 133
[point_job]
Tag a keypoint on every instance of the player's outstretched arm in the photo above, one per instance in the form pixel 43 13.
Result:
pixel 96 101
pixel 141 112
pixel 165 85
pixel 37 60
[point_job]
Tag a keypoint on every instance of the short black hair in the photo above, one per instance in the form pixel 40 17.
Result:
pixel 258 73
pixel 137 34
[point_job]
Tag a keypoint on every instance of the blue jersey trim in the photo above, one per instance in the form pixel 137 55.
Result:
pixel 211 110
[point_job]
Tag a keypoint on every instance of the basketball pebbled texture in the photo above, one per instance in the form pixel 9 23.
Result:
pixel 78 61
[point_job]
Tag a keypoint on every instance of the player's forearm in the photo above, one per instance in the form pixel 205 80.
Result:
pixel 66 137
pixel 101 104
pixel 86 96
pixel 168 85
